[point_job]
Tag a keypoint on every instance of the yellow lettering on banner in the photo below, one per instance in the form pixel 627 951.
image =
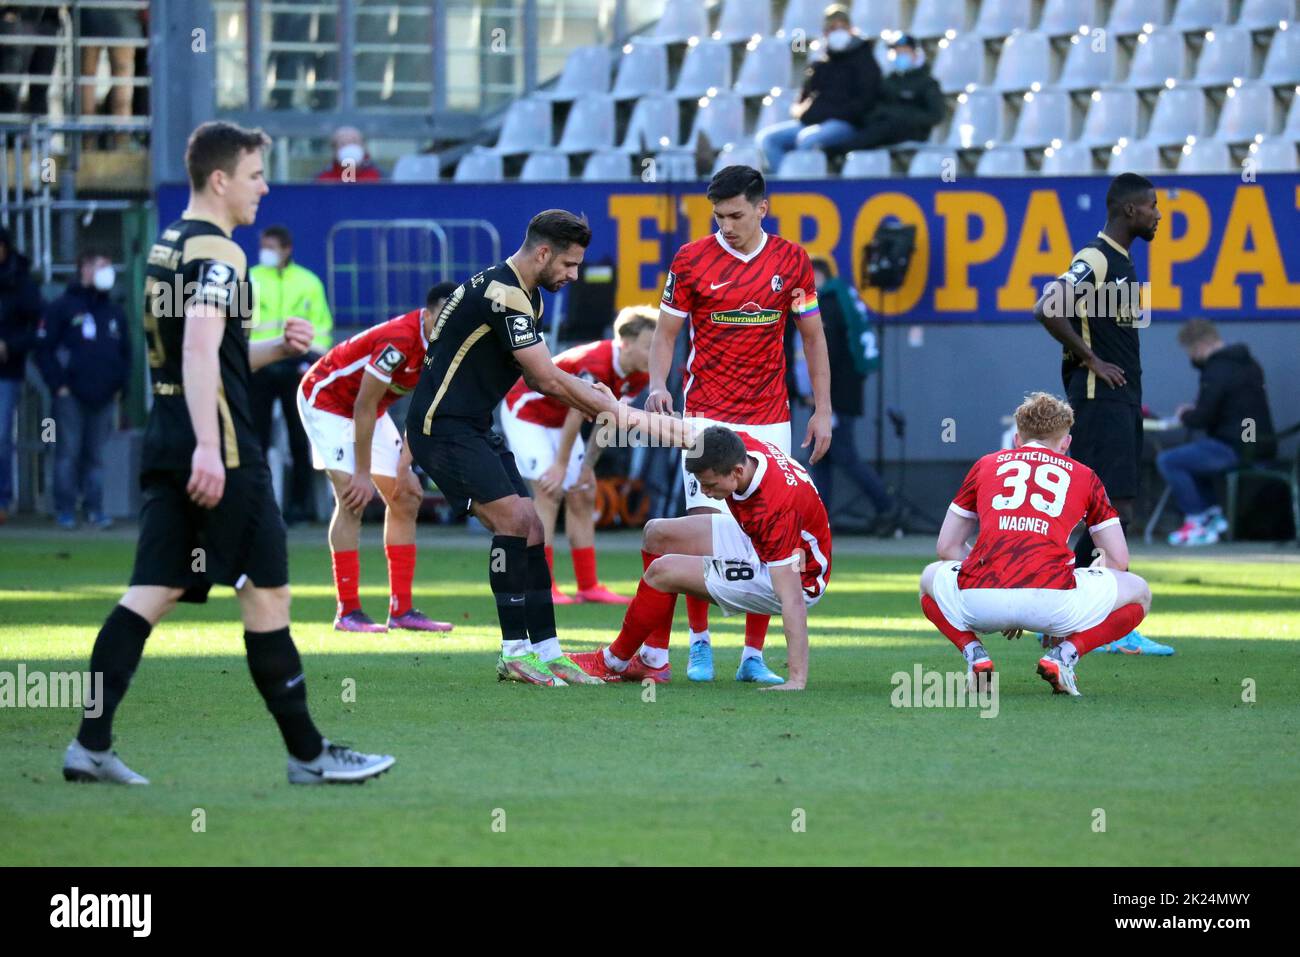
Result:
pixel 1249 222
pixel 1166 250
pixel 1043 220
pixel 792 209
pixel 960 251
pixel 905 298
pixel 630 212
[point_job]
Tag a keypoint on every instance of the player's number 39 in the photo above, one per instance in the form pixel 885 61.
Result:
pixel 1049 478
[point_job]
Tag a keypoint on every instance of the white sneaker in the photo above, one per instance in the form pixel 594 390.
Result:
pixel 338 764
pixel 1053 669
pixel 82 764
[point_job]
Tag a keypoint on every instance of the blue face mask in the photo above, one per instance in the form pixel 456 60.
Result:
pixel 904 62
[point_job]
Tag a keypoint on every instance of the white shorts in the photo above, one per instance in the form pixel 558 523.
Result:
pixel 736 577
pixel 535 448
pixel 333 441
pixel 778 433
pixel 1053 611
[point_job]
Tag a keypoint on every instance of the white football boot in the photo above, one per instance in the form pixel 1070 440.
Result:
pixel 338 764
pixel 82 764
pixel 1054 669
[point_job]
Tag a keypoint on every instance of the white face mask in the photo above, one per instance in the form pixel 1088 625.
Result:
pixel 105 276
pixel 838 39
pixel 268 257
pixel 352 153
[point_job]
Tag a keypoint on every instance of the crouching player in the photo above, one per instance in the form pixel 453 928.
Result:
pixel 1020 575
pixel 343 402
pixel 544 437
pixel 768 554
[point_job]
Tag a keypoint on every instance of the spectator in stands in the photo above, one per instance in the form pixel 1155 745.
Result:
pixel 838 91
pixel 108 25
pixel 851 344
pixel 910 105
pixel 83 349
pixel 36 58
pixel 1232 409
pixel 20 312
pixel 352 163
pixel 282 288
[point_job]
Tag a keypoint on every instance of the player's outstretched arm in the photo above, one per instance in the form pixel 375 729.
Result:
pixel 200 375
pixel 661 360
pixel 954 532
pixel 543 376
pixel 1112 547
pixel 298 334
pixel 819 371
pixel 794 619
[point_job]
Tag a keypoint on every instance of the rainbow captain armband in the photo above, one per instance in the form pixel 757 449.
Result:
pixel 805 306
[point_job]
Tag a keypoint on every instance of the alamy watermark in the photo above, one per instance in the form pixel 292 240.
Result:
pixel 1128 303
pixel 938 689
pixel 83 690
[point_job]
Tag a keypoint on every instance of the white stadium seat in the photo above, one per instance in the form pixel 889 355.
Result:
pixel 1200 14
pixel 1224 57
pixel 720 118
pixel 707 67
pixel 545 167
pixel 934 18
pixel 1282 65
pixel 739 156
pixel 775 109
pixel 1276 154
pixel 1026 61
pixel 1141 156
pixel 873 17
pixel 932 162
pixel 417 168
pixel 586 71
pixel 1128 16
pixel 999 18
pixel 527 127
pixel 1044 117
pixel 590 125
pixel 1002 161
pixel 959 63
pixel 802 164
pixel 767 65
pixel 866 164
pixel 1159 56
pixel 1179 113
pixel 655 124
pixel 976 120
pixel 1266 14
pixel 1112 116
pixel 1292 127
pixel 481 166
pixel 1063 17
pixel 802 15
pixel 743 19
pixel 675 165
pixel 1088 65
pixel 1071 159
pixel 1207 156
pixel 1247 112
pixel 643 69
pixel 681 20
pixel 607 165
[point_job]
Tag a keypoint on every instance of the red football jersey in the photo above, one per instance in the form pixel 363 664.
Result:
pixel 392 352
pixel 736 306
pixel 595 362
pixel 783 515
pixel 1027 501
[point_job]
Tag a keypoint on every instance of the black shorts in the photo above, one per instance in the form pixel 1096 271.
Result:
pixel 1107 437
pixel 467 462
pixel 184 546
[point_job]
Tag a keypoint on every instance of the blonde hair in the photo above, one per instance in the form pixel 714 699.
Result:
pixel 634 320
pixel 1043 416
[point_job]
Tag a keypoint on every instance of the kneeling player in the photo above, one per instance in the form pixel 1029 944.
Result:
pixel 544 437
pixel 343 402
pixel 769 554
pixel 1020 575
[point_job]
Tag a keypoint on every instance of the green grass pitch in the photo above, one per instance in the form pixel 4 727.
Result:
pixel 1185 771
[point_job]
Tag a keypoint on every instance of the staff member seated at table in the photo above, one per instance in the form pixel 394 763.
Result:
pixel 1232 409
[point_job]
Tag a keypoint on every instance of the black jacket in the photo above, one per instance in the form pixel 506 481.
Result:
pixel 912 98
pixel 843 86
pixel 1232 391
pixel 20 311
pixel 83 343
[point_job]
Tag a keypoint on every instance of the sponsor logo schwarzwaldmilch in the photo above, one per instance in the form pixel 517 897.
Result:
pixel 750 314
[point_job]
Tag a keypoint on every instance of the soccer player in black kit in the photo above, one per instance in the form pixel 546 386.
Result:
pixel 1094 310
pixel 484 338
pixel 207 514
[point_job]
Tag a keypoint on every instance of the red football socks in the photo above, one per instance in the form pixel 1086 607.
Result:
pixel 584 567
pixel 697 613
pixel 1117 624
pixel 347 573
pixel 401 572
pixel 959 638
pixel 648 620
pixel 550 562
pixel 756 630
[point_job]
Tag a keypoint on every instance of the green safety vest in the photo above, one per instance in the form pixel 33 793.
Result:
pixel 294 292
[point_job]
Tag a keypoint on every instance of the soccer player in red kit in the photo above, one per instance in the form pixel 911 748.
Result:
pixel 768 554
pixel 544 437
pixel 343 401
pixel 736 289
pixel 1020 575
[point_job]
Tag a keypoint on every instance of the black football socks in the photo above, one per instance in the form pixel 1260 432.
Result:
pixel 508 575
pixel 277 671
pixel 118 648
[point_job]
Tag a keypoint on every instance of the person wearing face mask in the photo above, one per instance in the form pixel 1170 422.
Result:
pixel 83 350
pixel 1231 394
pixel 352 163
pixel 20 311
pixel 910 104
pixel 282 288
pixel 837 93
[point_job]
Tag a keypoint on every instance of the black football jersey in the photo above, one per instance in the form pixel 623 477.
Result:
pixel 1103 276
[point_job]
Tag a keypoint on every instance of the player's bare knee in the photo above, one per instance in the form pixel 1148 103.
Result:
pixel 658 574
pixel 655 537
pixel 580 498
